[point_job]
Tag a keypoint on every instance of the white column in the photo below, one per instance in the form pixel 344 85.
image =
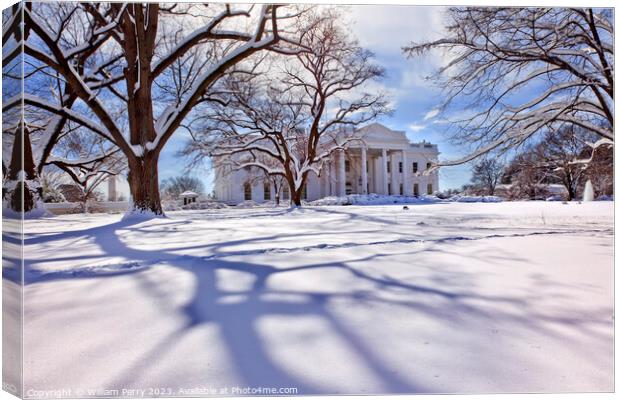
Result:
pixel 373 174
pixel 364 172
pixel 394 177
pixel 341 174
pixel 406 183
pixel 325 179
pixel 330 177
pixel 384 173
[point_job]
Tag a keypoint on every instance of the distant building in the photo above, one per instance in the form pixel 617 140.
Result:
pixel 386 163
pixel 188 197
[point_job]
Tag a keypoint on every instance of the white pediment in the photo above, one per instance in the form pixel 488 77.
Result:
pixel 377 133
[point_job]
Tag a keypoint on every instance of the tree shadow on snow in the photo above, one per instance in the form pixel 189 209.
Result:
pixel 237 321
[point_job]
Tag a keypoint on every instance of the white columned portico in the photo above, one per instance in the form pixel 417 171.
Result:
pixel 384 173
pixel 406 183
pixel 341 174
pixel 364 172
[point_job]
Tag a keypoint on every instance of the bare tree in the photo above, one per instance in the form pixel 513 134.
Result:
pixel 114 61
pixel 558 153
pixel 558 159
pixel 289 121
pixel 173 187
pixel 525 176
pixel 524 71
pixel 88 160
pixel 46 142
pixel 486 174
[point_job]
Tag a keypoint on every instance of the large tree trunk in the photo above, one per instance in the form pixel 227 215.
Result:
pixel 23 183
pixel 295 193
pixel 296 198
pixel 142 177
pixel 144 184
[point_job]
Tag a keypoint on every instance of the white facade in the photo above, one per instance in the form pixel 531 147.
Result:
pixel 393 166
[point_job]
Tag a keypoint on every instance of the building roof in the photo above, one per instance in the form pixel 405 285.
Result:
pixel 188 193
pixel 379 135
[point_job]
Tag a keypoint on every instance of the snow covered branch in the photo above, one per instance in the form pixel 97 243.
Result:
pixel 502 57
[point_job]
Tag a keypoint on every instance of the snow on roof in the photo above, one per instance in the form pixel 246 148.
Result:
pixel 188 193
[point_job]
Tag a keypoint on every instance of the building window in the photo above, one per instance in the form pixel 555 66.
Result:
pixel 286 193
pixel 367 168
pixel 304 192
pixel 400 167
pixel 416 190
pixel 389 188
pixel 429 188
pixel 247 191
pixel 415 167
pixel 347 166
pixel 348 188
pixel 266 191
pixel 401 189
pixel 428 165
pixel 389 165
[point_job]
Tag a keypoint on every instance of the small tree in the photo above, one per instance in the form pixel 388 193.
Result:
pixel 486 174
pixel 87 159
pixel 173 187
pixel 525 176
pixel 565 157
pixel 558 155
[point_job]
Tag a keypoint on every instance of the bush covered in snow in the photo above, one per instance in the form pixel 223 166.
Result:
pixel 173 205
pixel 372 199
pixel 605 198
pixel 39 211
pixel 555 197
pixel 52 195
pixel 170 205
pixel 476 199
pixel 204 205
pixel 248 204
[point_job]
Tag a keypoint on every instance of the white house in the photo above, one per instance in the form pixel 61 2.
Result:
pixel 394 166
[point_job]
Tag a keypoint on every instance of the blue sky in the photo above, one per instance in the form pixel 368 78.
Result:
pixel 384 30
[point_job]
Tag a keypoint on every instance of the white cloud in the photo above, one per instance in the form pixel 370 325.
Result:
pixel 416 127
pixel 385 29
pixel 431 114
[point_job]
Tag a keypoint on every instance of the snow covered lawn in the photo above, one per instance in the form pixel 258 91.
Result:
pixel 458 297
